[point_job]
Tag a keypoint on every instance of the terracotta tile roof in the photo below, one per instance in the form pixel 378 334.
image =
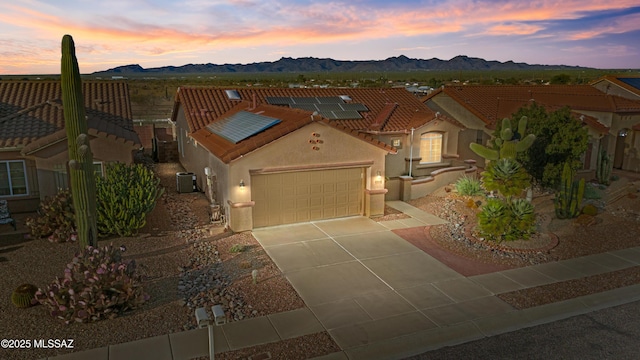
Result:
pixel 617 81
pixel 31 113
pixel 491 103
pixel 290 120
pixel 211 103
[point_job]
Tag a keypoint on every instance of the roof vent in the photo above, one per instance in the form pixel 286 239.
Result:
pixel 345 97
pixel 233 94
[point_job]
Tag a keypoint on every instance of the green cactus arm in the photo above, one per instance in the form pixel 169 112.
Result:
pixel 506 134
pixel 522 126
pixel 484 151
pixel 525 143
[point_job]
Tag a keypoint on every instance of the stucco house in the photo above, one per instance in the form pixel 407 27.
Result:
pixel 33 142
pixel 313 141
pixel 613 122
pixel 624 86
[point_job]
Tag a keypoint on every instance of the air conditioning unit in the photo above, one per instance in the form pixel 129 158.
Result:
pixel 186 182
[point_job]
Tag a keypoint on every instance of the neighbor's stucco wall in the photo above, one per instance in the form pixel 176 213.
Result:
pixel 612 89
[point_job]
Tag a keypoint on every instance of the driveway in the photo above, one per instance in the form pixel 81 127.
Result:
pixel 366 284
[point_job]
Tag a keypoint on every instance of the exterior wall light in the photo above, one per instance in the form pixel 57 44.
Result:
pixel 241 184
pixel 378 177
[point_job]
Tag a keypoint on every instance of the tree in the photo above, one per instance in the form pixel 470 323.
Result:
pixel 560 138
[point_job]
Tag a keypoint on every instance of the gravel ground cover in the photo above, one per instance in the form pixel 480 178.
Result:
pixel 188 263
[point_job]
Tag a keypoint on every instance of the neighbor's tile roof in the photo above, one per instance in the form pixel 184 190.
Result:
pixel 625 82
pixel 212 103
pixel 290 120
pixel 31 113
pixel 491 103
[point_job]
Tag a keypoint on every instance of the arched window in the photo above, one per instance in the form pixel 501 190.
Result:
pixel 431 147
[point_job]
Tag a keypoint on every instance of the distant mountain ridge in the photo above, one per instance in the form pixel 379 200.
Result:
pixel 311 64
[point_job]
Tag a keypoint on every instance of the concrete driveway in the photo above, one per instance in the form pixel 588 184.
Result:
pixel 365 284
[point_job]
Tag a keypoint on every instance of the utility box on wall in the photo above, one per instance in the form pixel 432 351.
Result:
pixel 186 182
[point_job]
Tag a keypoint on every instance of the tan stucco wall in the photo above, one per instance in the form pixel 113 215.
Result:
pixel 194 158
pixel 29 202
pixel 294 151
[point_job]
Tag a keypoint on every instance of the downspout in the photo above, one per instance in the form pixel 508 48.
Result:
pixel 411 152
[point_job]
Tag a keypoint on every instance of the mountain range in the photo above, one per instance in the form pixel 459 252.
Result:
pixel 311 64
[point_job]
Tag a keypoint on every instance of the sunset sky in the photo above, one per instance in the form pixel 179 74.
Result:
pixel 153 33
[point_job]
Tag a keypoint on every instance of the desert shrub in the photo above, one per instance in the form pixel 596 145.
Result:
pixel 97 284
pixel 124 198
pixel 469 186
pixel 502 221
pixel 237 248
pixel 56 221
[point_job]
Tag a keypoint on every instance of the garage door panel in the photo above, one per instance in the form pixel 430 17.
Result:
pixel 286 198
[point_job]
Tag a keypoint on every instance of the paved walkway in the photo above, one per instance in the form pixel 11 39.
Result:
pixel 380 297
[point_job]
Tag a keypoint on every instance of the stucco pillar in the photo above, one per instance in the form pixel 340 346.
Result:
pixel 374 202
pixel 405 188
pixel 241 216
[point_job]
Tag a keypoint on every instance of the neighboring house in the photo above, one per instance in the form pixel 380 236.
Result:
pixel 624 86
pixel 316 141
pixel 613 122
pixel 33 142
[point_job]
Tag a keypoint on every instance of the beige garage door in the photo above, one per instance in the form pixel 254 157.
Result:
pixel 286 198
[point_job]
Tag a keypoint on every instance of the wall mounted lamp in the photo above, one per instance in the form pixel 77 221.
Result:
pixel 241 184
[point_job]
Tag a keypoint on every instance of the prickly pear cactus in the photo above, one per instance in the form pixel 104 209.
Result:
pixel 508 147
pixel 83 186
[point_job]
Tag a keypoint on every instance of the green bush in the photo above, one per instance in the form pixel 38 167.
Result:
pixel 500 221
pixel 469 186
pixel 125 196
pixel 97 284
pixel 56 221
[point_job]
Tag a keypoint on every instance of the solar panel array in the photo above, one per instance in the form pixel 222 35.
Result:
pixel 330 107
pixel 241 125
pixel 635 82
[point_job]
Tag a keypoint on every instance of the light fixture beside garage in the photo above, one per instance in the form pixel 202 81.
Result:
pixel 241 184
pixel 378 177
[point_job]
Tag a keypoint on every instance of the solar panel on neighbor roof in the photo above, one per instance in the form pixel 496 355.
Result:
pixel 635 82
pixel 354 107
pixel 308 107
pixel 279 100
pixel 346 115
pixel 304 100
pixel 328 107
pixel 241 125
pixel 330 100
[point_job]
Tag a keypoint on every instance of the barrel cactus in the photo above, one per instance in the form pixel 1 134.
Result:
pixel 24 295
pixel 83 187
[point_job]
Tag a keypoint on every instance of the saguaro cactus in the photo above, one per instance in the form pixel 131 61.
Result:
pixel 83 185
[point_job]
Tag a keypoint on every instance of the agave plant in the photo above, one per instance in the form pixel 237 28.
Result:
pixel 506 176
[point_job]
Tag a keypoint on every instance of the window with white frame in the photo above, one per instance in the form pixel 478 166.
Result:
pixel 13 178
pixel 431 147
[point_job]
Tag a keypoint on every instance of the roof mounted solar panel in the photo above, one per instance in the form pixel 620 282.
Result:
pixel 305 100
pixel 635 82
pixel 346 115
pixel 329 100
pixel 354 107
pixel 308 107
pixel 241 125
pixel 279 100
pixel 233 94
pixel 329 107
